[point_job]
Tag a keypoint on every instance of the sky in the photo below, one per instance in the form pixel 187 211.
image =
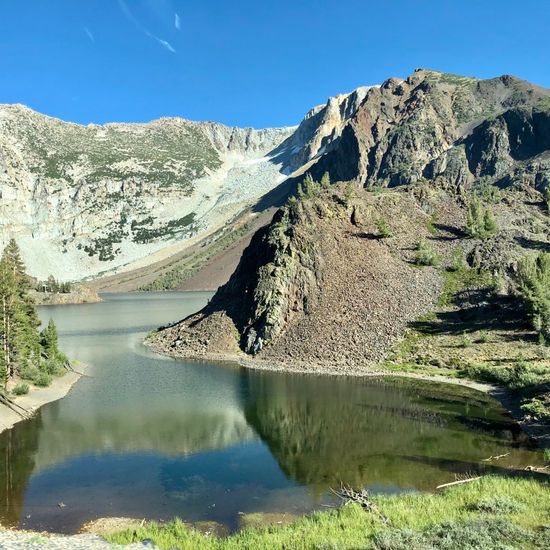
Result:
pixel 249 62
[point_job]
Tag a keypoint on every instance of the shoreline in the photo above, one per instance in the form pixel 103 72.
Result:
pixel 38 397
pixel 535 430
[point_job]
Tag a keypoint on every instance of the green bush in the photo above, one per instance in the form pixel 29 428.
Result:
pixel 519 376
pixel 42 379
pixel 465 340
pixel 53 366
pixel 537 408
pixel 488 534
pixel 21 389
pixel 28 373
pixel 383 229
pixel 458 263
pixel 480 221
pixel 425 254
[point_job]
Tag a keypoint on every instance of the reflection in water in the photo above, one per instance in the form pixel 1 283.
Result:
pixel 143 436
pixel 378 432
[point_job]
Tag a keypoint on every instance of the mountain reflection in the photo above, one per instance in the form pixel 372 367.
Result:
pixel 380 432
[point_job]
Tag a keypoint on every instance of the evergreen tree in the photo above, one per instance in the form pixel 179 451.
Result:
pixel 480 221
pixel 325 181
pixel 49 340
pixel 7 304
pixel 51 284
pixel 19 338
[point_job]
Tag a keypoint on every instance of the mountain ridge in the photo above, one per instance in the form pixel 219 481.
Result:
pixel 100 197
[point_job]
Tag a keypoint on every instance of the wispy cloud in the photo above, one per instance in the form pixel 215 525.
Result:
pixel 166 44
pixel 130 16
pixel 177 22
pixel 89 34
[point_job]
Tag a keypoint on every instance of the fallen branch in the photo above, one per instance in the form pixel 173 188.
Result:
pixel 458 482
pixel 536 468
pixel 348 494
pixel 496 457
pixel 18 409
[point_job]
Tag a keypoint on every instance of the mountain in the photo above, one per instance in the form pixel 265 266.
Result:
pixel 86 200
pixel 344 272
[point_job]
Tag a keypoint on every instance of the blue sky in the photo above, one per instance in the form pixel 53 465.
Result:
pixel 249 63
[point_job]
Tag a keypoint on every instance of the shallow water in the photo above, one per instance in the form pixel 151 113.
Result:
pixel 149 437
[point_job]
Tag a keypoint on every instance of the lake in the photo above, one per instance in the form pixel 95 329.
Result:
pixel 146 436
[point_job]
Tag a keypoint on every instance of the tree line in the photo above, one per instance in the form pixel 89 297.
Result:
pixel 26 353
pixel 53 286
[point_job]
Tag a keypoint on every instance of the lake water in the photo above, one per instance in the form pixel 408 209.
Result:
pixel 145 436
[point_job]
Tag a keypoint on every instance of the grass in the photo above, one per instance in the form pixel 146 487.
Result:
pixel 493 512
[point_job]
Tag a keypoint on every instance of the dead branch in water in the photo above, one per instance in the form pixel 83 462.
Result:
pixel 458 482
pixel 348 494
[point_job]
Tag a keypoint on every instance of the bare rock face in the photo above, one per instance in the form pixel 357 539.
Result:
pixel 434 125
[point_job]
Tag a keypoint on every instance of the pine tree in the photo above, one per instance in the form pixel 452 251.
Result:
pixel 51 284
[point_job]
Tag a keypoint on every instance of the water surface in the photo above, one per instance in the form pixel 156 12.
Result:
pixel 149 437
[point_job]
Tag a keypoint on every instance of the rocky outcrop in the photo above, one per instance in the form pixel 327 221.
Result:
pixel 315 287
pixel 81 294
pixel 82 201
pixel 434 125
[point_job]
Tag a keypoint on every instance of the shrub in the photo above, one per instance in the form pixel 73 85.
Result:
pixel 483 337
pixel 465 340
pixel 480 221
pixel 28 373
pixel 308 188
pixel 498 505
pixel 458 263
pixel 519 376
pixel 53 366
pixel 425 254
pixel 536 407
pixel 488 534
pixel 383 229
pixel 431 223
pixel 42 379
pixel 546 195
pixel 21 389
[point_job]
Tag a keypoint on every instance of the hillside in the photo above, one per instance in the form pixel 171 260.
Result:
pixel 345 272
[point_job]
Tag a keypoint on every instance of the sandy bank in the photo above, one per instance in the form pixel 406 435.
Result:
pixel 38 397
